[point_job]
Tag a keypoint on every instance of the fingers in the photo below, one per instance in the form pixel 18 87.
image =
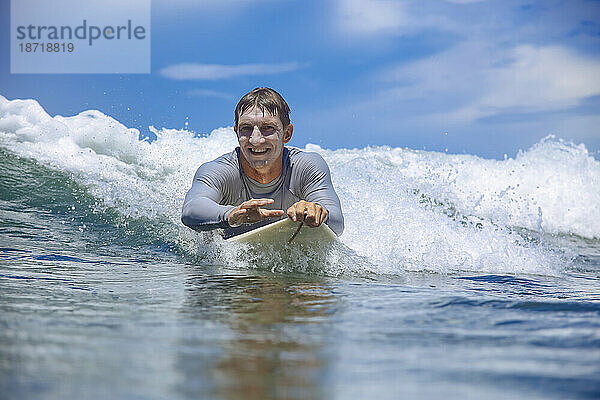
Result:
pixel 296 211
pixel 270 213
pixel 311 213
pixel 323 215
pixel 249 212
pixel 255 203
pixel 314 215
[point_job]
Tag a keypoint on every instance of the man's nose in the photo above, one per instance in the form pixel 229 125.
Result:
pixel 256 136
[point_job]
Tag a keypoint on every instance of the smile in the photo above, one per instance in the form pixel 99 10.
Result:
pixel 258 151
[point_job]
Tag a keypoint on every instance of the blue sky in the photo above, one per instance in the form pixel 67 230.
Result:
pixel 478 77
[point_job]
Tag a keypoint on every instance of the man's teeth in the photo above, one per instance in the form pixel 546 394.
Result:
pixel 258 150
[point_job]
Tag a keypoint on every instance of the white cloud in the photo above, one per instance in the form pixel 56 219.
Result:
pixel 477 79
pixel 371 17
pixel 209 93
pixel 515 69
pixel 217 71
pixel 541 79
pixel 379 18
pixel 494 70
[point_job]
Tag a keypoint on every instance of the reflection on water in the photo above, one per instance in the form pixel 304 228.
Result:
pixel 274 341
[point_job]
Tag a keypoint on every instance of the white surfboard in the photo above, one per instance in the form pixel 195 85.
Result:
pixel 279 233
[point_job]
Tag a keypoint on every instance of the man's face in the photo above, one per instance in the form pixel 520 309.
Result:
pixel 261 137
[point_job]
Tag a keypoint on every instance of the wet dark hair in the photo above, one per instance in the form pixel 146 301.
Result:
pixel 266 99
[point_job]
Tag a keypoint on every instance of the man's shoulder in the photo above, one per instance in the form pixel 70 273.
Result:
pixel 224 164
pixel 225 160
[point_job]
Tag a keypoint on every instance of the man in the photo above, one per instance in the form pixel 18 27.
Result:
pixel 261 178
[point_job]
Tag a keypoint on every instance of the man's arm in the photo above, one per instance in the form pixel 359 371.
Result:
pixel 316 187
pixel 201 209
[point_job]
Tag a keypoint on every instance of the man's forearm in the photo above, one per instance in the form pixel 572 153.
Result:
pixel 203 214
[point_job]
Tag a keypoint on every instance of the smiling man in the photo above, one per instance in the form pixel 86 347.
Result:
pixel 262 180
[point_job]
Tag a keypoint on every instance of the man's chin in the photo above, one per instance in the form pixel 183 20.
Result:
pixel 259 164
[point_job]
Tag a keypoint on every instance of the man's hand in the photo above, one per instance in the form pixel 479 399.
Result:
pixel 250 211
pixel 311 213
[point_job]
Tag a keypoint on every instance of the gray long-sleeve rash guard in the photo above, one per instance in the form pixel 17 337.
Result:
pixel 221 185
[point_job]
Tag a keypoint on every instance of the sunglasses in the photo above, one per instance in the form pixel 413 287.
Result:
pixel 266 130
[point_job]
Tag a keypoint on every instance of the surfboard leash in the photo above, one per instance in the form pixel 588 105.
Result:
pixel 298 230
pixel 296 233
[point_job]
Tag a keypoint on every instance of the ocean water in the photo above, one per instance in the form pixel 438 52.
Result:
pixel 457 277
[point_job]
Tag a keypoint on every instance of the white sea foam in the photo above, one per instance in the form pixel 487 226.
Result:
pixel 404 209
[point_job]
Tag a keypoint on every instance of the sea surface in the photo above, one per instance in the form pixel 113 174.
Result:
pixel 457 277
